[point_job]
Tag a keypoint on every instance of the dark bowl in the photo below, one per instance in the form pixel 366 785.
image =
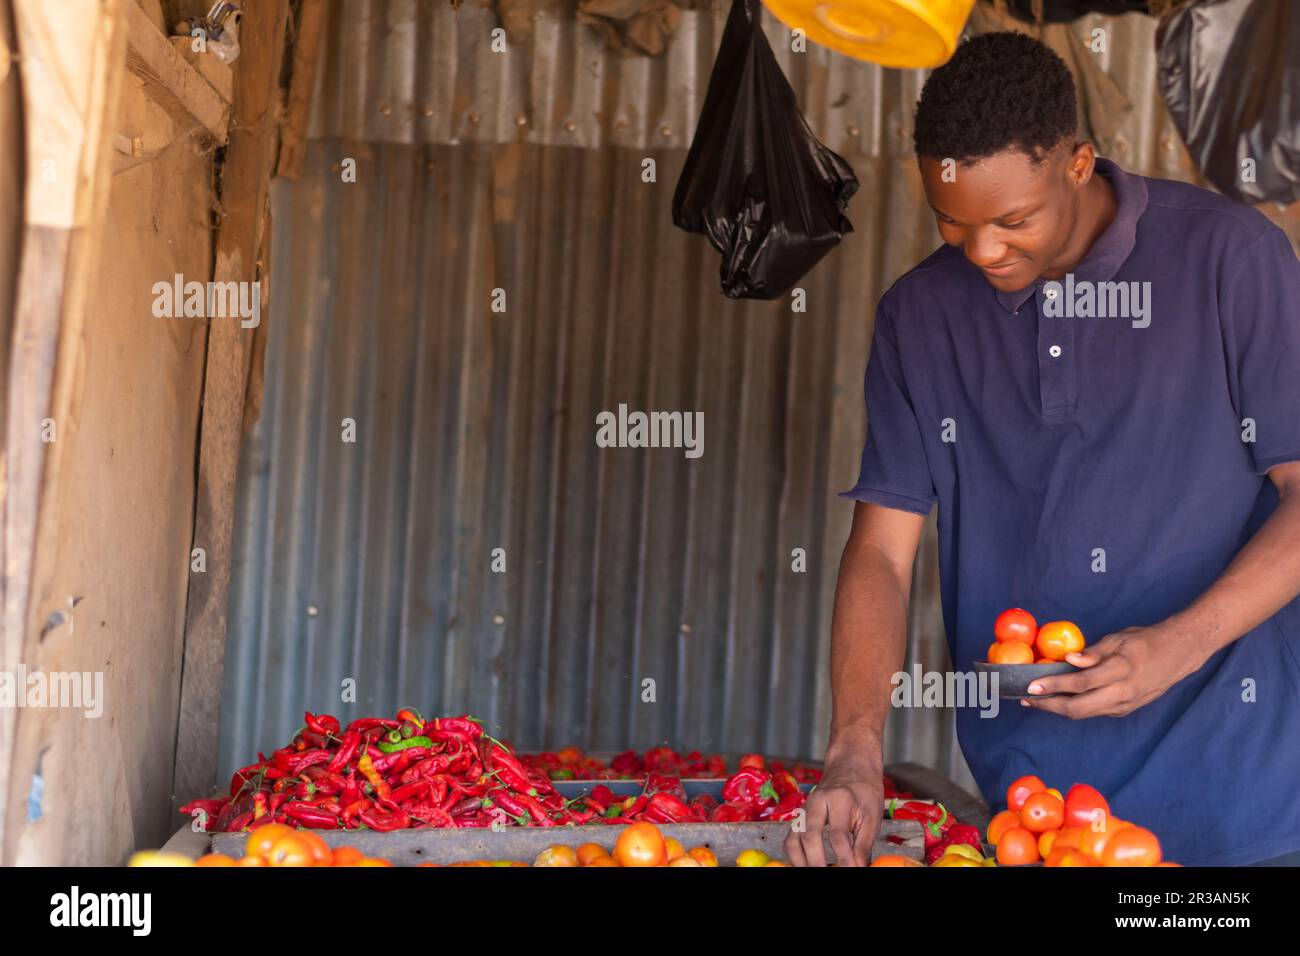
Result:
pixel 1014 679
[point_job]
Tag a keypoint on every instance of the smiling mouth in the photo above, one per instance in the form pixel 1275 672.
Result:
pixel 1000 270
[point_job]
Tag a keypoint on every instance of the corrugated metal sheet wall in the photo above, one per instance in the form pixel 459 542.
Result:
pixel 475 430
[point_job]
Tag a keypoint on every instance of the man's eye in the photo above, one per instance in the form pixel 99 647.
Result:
pixel 1014 225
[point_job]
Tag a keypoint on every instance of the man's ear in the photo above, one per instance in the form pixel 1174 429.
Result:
pixel 1083 159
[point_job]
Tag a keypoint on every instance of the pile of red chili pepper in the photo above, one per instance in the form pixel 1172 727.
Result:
pixel 942 829
pixel 750 794
pixel 572 763
pixel 388 775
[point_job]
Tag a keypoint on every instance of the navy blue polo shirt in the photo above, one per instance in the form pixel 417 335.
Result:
pixel 1097 469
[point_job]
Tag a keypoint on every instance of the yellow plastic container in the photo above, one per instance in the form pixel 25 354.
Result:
pixel 905 34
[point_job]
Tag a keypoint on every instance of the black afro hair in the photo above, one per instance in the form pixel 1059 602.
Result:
pixel 999 91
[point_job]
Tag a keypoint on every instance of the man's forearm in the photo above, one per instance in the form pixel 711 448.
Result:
pixel 868 641
pixel 1262 578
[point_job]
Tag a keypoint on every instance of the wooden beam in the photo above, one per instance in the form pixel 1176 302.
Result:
pixel 302 83
pixel 246 178
pixel 218 74
pixel 170 81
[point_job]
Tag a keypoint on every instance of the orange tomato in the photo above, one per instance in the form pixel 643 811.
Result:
pixel 674 849
pixel 215 859
pixel 641 844
pixel 1082 803
pixel 557 855
pixel 702 855
pixel 605 860
pixel 373 861
pixel 1042 812
pixel 589 851
pixel 350 856
pixel 776 863
pixel 1045 841
pixel 252 861
pixel 1010 652
pixel 1068 856
pixel 683 861
pixel 1092 840
pixel 1058 638
pixel 263 838
pixel 1001 823
pixel 291 850
pixel 1131 846
pixel 1015 624
pixel 570 755
pixel 320 850
pixel 1068 837
pixel 1020 790
pixel 893 859
pixel 1017 847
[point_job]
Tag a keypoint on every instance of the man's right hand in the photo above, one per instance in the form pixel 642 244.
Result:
pixel 849 802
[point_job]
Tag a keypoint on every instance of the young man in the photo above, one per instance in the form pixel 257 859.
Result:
pixel 1097 380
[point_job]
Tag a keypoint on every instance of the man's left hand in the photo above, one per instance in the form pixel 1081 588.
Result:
pixel 1121 672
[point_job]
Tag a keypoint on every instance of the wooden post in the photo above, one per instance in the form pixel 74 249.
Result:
pixel 71 68
pixel 246 176
pixel 302 82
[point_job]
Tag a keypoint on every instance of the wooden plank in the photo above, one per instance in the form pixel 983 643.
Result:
pixel 187 843
pixel 246 175
pixel 175 85
pixel 219 75
pixel 302 82
pixel 71 72
pixel 726 840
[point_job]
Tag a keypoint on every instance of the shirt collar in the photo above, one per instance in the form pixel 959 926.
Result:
pixel 1113 246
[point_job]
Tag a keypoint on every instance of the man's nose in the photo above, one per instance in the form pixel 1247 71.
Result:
pixel 983 249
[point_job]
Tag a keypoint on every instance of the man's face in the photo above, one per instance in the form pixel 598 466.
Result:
pixel 1012 218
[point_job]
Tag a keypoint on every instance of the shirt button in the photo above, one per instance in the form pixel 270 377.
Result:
pixel 1054 351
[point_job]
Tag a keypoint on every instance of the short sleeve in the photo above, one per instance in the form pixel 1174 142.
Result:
pixel 894 472
pixel 1259 310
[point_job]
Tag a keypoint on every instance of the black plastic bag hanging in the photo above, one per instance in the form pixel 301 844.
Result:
pixel 769 196
pixel 1230 75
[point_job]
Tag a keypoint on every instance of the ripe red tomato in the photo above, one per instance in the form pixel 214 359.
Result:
pixel 1082 803
pixel 756 761
pixel 1131 846
pixel 1017 847
pixel 1020 790
pixel 1015 624
pixel 1058 638
pixel 1042 812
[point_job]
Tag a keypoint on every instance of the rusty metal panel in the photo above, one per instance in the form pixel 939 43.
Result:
pixel 371 560
pixel 417 71
pixel 476 430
